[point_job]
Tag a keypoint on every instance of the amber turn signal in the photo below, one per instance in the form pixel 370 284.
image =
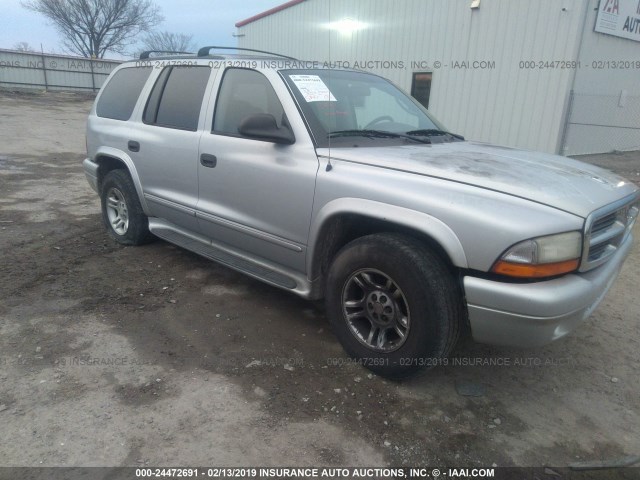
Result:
pixel 523 270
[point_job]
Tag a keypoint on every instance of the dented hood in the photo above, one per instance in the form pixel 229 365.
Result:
pixel 559 182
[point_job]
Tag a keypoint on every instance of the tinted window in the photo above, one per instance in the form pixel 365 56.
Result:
pixel 244 93
pixel 421 88
pixel 176 98
pixel 151 109
pixel 120 94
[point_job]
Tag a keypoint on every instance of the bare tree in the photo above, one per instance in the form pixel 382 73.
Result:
pixel 168 41
pixel 93 27
pixel 23 47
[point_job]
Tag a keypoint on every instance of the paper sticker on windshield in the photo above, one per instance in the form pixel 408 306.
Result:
pixel 312 88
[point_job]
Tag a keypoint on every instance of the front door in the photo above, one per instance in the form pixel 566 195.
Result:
pixel 256 196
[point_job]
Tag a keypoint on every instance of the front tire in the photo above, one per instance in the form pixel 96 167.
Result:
pixel 122 213
pixel 393 304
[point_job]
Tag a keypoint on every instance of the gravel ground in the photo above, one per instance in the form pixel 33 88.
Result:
pixel 151 355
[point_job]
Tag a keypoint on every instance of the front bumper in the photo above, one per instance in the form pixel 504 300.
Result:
pixel 534 314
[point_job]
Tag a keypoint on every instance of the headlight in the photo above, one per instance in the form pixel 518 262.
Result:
pixel 542 257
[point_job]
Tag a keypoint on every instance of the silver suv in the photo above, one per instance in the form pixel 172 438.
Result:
pixel 336 185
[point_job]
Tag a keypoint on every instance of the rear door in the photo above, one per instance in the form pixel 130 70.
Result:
pixel 167 141
pixel 256 196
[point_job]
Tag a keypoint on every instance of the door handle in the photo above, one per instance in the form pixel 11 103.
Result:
pixel 209 161
pixel 133 146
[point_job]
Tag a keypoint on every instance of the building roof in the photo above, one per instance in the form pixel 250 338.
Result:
pixel 277 9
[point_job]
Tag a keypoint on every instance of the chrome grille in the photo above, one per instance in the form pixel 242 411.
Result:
pixel 604 223
pixel 606 229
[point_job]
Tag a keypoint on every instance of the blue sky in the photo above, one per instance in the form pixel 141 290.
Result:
pixel 211 22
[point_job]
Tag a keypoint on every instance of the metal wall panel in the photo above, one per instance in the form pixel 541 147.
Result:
pixel 32 70
pixel 605 114
pixel 506 104
pixel 603 123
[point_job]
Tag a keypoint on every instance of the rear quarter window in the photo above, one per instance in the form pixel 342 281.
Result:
pixel 120 94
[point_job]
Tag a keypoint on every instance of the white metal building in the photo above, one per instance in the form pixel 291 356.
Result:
pixel 552 75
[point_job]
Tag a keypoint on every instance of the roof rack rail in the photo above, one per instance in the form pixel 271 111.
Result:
pixel 146 53
pixel 204 51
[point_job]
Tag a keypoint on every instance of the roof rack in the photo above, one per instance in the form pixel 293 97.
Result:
pixel 204 51
pixel 146 53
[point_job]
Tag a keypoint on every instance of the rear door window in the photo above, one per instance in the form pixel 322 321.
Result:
pixel 176 98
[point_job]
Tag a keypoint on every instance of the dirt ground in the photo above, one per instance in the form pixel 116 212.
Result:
pixel 151 355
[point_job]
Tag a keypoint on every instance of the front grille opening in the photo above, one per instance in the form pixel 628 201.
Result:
pixel 596 252
pixel 606 234
pixel 604 223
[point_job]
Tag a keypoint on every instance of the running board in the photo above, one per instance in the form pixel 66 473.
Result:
pixel 227 257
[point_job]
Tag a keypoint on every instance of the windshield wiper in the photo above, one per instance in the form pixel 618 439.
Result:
pixel 433 132
pixel 375 134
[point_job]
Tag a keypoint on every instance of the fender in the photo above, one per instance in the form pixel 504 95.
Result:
pixel 126 159
pixel 415 220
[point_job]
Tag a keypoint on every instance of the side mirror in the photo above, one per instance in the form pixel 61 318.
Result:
pixel 263 126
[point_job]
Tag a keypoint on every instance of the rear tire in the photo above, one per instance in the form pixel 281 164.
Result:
pixel 393 304
pixel 122 213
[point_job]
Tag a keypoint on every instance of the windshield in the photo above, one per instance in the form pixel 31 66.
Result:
pixel 342 104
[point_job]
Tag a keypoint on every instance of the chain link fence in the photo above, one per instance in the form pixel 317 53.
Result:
pixel 602 124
